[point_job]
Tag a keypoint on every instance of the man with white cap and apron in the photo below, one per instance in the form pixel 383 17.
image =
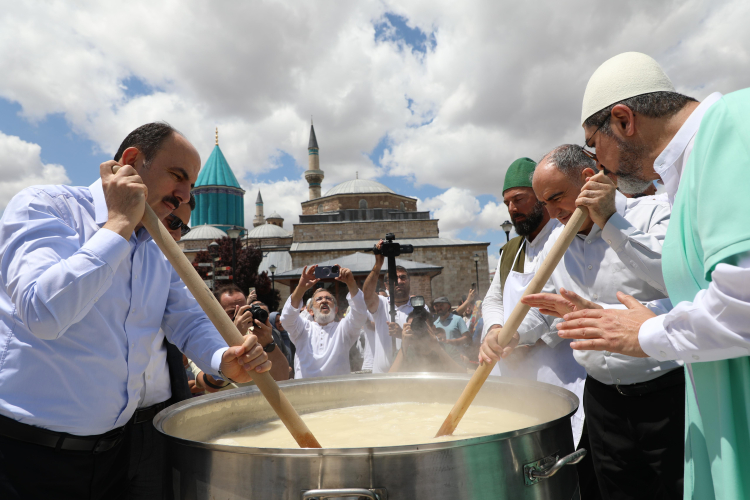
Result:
pixel 643 130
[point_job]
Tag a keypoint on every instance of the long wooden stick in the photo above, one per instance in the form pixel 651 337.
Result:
pixel 267 385
pixel 514 320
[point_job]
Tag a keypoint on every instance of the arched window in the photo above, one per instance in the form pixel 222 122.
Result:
pixel 363 204
pixel 402 207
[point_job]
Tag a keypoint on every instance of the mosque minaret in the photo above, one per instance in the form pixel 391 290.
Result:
pixel 314 174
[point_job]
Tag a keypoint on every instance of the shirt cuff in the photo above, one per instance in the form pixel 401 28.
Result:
pixel 216 362
pixel 616 231
pixel 108 246
pixel 654 339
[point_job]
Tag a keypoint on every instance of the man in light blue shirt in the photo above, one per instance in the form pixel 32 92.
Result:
pixel 83 293
pixel 456 331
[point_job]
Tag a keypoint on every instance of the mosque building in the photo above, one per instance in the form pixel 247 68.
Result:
pixel 338 227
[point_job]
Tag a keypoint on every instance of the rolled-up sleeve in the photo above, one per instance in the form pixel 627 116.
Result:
pixel 492 305
pixel 293 323
pixel 52 279
pixel 353 322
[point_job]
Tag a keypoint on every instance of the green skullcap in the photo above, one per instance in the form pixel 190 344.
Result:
pixel 519 174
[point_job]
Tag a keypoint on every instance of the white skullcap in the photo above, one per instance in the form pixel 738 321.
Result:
pixel 624 76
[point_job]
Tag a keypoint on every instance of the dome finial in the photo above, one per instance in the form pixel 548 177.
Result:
pixel 217 135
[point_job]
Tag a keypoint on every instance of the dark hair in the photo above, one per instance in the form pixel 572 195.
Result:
pixel 653 105
pixel 148 138
pixel 398 268
pixel 228 288
pixel 570 160
pixel 192 202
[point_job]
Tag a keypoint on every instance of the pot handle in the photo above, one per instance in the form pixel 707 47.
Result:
pixel 537 471
pixel 374 494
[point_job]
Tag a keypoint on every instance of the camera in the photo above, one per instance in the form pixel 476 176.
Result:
pixel 323 272
pixel 421 316
pixel 390 248
pixel 259 313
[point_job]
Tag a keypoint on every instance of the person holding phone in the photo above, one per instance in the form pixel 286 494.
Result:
pixel 323 343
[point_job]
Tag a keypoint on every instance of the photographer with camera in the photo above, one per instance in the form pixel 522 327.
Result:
pixel 322 342
pixel 245 317
pixel 420 349
pixel 385 333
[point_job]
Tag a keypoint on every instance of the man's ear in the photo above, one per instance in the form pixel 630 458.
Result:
pixel 130 156
pixel 622 121
pixel 586 173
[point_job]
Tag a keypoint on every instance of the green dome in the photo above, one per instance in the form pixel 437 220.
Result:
pixel 219 199
pixel 216 171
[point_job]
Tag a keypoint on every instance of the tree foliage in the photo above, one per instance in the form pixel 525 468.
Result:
pixel 246 275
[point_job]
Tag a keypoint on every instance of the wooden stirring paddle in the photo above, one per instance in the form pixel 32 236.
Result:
pixel 267 385
pixel 514 320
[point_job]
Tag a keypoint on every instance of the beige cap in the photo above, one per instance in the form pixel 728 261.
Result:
pixel 624 76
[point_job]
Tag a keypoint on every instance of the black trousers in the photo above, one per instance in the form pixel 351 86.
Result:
pixel 147 467
pixel 30 472
pixel 637 442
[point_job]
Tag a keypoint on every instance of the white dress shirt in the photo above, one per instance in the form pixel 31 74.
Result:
pixel 323 351
pixel 625 256
pixel 492 306
pixel 80 308
pixel 378 339
pixel 724 307
pixel 157 387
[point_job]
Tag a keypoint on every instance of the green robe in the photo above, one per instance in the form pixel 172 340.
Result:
pixel 710 224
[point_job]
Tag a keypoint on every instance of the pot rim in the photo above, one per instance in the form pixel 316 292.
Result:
pixel 384 450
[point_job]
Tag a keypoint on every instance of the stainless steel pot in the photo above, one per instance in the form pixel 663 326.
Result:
pixel 524 464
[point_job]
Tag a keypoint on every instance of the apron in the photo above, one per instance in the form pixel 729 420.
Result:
pixel 552 365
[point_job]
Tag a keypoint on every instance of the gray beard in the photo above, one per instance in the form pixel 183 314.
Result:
pixel 323 319
pixel 532 221
pixel 629 180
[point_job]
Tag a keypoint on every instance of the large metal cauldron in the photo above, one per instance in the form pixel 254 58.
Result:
pixel 492 467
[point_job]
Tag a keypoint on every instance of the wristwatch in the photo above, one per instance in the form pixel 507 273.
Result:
pixel 270 346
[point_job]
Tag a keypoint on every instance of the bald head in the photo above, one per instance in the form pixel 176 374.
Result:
pixel 559 177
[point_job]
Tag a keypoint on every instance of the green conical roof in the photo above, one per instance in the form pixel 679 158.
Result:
pixel 216 171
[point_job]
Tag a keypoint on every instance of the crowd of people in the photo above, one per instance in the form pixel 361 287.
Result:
pixel 645 318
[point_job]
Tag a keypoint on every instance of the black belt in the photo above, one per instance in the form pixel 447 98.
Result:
pixel 60 440
pixel 147 414
pixel 670 379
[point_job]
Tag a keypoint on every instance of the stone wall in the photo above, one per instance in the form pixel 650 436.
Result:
pixel 365 230
pixel 351 201
pixel 458 273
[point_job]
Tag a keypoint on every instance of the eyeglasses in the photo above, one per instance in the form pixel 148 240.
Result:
pixel 176 223
pixel 588 153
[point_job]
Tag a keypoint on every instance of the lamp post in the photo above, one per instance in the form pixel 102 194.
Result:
pixel 213 251
pixel 507 226
pixel 272 268
pixel 234 235
pixel 476 266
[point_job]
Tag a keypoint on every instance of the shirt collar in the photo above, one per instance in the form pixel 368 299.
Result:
pixel 100 203
pixel 667 164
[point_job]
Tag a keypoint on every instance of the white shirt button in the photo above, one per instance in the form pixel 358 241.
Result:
pixel 588 242
pixel 135 277
pixel 662 354
pixel 132 345
pixel 633 264
pixel 696 357
pixel 591 267
pixel 595 296
pixel 609 242
pixel 607 353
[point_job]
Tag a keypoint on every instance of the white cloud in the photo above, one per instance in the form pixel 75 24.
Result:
pixel 21 166
pixel 457 209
